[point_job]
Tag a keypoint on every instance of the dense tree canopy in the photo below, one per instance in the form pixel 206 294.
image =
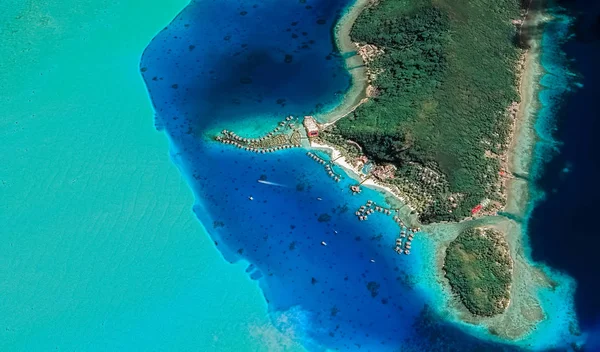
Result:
pixel 478 268
pixel 444 82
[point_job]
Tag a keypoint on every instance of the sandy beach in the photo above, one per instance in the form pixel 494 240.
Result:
pixel 392 197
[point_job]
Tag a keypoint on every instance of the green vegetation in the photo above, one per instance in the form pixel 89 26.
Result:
pixel 444 82
pixel 478 266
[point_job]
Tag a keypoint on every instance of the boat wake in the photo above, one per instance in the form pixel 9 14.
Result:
pixel 271 183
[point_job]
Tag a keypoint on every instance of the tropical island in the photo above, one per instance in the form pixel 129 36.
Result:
pixel 479 268
pixel 442 98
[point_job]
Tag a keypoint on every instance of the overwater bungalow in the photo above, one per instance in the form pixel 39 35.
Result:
pixel 406 251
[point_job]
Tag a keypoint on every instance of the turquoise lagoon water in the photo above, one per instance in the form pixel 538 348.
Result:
pixel 241 64
pixel 100 250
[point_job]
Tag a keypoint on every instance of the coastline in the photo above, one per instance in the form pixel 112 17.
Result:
pixel 357 93
pixel 524 137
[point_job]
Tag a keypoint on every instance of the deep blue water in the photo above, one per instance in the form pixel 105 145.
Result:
pixel 238 64
pixel 569 178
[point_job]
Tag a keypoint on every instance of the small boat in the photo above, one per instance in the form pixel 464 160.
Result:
pixel 319 198
pixel 372 260
pixel 323 243
pixel 251 198
pixel 335 231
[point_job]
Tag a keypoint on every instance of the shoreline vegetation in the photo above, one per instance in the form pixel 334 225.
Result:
pixel 509 162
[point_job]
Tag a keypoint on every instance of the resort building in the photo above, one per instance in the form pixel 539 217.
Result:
pixel 310 124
